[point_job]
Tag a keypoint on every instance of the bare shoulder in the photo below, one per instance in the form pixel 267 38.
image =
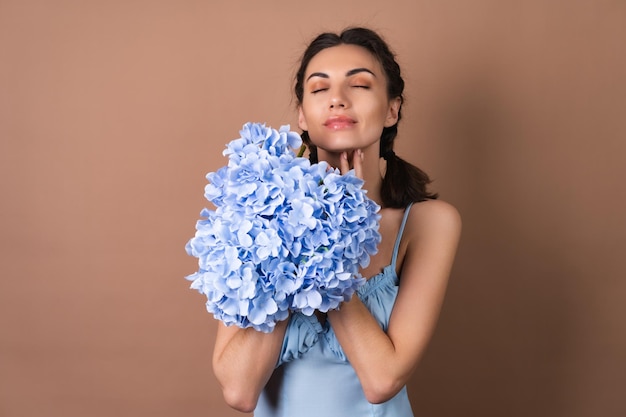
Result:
pixel 431 236
pixel 434 215
pixel 430 241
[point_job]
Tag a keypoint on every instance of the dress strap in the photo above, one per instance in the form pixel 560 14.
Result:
pixel 394 257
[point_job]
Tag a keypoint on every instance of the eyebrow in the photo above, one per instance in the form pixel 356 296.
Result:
pixel 348 74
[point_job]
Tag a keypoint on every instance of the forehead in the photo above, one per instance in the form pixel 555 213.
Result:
pixel 342 58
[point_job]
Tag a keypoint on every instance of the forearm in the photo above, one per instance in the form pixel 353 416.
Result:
pixel 383 361
pixel 381 369
pixel 243 362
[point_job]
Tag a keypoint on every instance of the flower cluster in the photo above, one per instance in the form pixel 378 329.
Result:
pixel 286 235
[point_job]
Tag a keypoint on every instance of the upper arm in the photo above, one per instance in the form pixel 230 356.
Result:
pixel 431 237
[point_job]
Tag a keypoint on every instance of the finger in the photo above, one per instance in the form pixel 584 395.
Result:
pixel 344 164
pixel 357 163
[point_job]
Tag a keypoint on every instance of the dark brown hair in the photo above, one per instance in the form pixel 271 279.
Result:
pixel 403 182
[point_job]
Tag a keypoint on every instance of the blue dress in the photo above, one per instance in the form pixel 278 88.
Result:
pixel 313 377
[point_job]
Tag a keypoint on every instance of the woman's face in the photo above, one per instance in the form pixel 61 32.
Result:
pixel 344 104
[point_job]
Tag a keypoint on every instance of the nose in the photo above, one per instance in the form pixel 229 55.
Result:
pixel 338 99
pixel 337 103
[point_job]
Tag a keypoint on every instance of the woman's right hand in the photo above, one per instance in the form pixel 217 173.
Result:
pixel 352 161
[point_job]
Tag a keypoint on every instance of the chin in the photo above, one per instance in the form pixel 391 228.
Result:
pixel 335 150
pixel 338 145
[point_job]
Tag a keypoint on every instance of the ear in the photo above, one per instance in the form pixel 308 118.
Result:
pixel 393 111
pixel 301 119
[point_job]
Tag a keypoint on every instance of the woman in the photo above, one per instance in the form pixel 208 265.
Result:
pixel 356 360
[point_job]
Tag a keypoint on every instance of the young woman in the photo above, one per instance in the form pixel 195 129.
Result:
pixel 356 360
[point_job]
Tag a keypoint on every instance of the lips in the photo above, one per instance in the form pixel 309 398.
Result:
pixel 339 122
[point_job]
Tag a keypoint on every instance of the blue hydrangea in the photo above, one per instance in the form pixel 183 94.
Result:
pixel 286 235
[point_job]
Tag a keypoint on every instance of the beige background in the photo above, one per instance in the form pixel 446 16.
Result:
pixel 112 112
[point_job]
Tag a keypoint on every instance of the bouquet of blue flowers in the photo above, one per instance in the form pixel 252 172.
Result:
pixel 286 235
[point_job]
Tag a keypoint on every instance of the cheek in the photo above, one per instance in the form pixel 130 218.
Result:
pixel 377 114
pixel 375 106
pixel 310 118
pixel 302 121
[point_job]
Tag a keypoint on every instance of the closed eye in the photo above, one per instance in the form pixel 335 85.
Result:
pixel 318 90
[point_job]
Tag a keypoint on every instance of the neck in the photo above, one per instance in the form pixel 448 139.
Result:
pixel 372 185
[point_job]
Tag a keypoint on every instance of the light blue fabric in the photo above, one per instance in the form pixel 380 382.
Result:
pixel 313 377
